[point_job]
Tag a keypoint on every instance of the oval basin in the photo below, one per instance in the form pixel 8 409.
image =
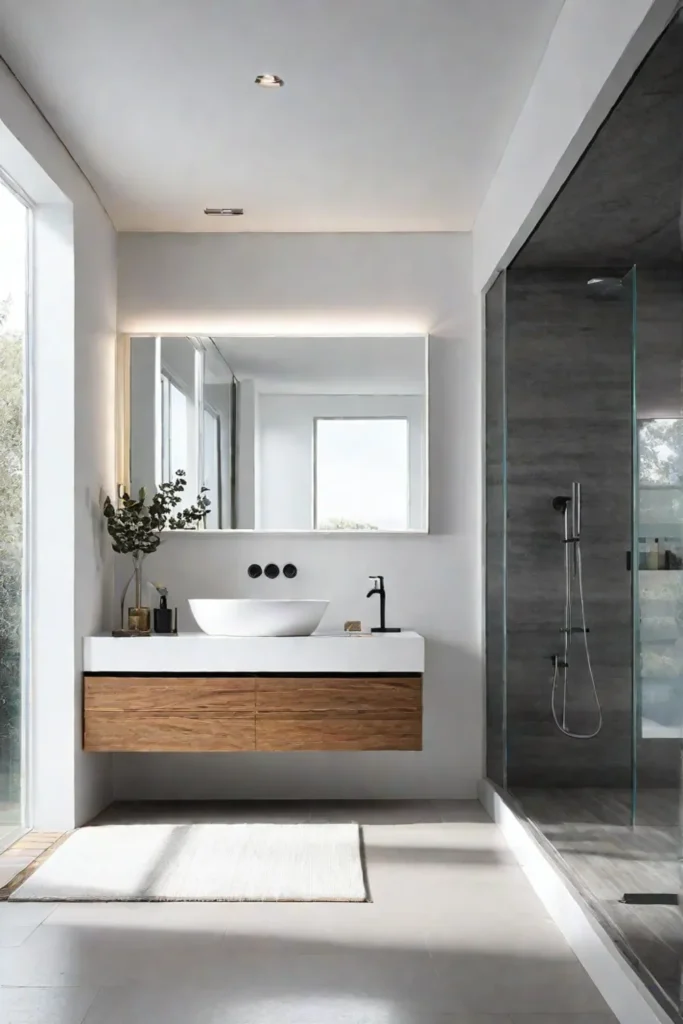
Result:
pixel 227 617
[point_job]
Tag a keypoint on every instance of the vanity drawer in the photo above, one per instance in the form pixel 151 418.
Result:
pixel 269 713
pixel 171 733
pixel 273 734
pixel 383 697
pixel 230 694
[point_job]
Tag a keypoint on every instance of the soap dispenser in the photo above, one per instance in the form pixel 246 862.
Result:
pixel 163 615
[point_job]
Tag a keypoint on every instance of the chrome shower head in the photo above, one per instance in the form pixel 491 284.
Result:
pixel 605 287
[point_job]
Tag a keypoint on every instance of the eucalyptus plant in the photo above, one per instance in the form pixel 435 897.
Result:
pixel 136 526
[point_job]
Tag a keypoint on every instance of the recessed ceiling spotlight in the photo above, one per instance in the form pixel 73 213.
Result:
pixel 269 81
pixel 223 211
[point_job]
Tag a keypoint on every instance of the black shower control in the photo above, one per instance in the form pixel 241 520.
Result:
pixel 290 571
pixel 254 571
pixel 272 571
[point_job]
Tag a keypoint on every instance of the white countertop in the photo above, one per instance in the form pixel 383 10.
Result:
pixel 198 653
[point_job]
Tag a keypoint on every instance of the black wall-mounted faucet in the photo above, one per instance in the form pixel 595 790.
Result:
pixel 379 589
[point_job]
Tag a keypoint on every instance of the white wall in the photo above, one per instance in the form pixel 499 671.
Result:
pixel 594 49
pixel 73 438
pixel 336 284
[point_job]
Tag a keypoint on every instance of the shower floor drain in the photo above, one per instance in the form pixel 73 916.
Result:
pixel 650 899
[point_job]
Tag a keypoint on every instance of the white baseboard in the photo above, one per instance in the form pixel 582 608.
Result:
pixel 621 988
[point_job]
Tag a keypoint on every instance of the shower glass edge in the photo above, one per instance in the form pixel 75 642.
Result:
pixel 630 283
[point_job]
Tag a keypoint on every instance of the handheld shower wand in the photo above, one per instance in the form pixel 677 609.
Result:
pixel 570 507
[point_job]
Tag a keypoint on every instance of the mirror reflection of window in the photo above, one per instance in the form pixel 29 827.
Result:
pixel 361 474
pixel 175 413
pixel 212 466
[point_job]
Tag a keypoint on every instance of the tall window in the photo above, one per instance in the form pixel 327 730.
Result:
pixel 13 304
pixel 174 428
pixel 212 466
pixel 361 474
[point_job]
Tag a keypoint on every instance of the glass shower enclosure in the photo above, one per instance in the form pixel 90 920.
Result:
pixel 584 613
pixel 573 399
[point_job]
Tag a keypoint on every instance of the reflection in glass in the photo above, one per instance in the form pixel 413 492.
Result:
pixel 361 474
pixel 660 586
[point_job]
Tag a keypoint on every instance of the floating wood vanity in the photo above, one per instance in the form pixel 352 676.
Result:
pixel 248 705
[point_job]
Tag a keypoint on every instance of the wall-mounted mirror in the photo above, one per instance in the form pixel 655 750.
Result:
pixel 295 433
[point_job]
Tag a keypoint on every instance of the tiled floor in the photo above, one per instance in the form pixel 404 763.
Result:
pixel 454 935
pixel 590 831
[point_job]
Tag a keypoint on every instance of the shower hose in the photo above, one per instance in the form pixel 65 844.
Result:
pixel 561 678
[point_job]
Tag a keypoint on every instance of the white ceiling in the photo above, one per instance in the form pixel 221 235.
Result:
pixel 394 115
pixel 328 365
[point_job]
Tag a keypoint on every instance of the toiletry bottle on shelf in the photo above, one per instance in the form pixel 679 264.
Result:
pixel 163 615
pixel 653 554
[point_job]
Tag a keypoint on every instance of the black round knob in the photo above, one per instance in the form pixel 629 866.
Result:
pixel 254 571
pixel 290 571
pixel 272 571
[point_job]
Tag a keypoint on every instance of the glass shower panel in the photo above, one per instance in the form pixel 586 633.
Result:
pixel 569 422
pixel 658 564
pixel 496 459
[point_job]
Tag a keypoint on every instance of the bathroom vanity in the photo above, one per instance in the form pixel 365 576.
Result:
pixel 197 693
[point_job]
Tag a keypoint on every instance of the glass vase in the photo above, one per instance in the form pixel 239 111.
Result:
pixel 139 615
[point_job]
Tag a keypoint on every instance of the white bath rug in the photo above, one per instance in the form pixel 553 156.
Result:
pixel 210 862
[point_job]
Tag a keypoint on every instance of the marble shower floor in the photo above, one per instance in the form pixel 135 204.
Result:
pixel 454 935
pixel 589 831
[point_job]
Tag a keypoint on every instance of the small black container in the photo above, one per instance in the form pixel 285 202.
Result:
pixel 163 617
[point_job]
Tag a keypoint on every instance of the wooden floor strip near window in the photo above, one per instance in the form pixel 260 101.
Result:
pixel 20 860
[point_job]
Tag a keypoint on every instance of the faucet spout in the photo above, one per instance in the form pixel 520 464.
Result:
pixel 379 589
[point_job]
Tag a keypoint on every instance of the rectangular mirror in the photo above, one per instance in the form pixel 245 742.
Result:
pixel 287 433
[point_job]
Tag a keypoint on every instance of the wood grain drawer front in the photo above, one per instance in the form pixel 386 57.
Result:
pixel 158 694
pixel 273 734
pixel 171 733
pixel 378 697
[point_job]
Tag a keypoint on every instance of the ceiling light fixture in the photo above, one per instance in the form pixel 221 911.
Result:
pixel 223 211
pixel 269 81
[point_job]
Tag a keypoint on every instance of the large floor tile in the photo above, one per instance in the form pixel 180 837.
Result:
pixel 44 1005
pixel 497 935
pixel 151 1005
pixel 517 984
pixel 24 914
pixel 376 812
pixel 19 921
pixel 189 812
pixel 461 811
pixel 268 927
pixel 563 1018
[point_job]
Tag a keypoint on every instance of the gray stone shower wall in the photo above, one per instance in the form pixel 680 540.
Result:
pixel 569 417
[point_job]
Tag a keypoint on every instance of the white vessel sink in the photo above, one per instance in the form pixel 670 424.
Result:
pixel 257 618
